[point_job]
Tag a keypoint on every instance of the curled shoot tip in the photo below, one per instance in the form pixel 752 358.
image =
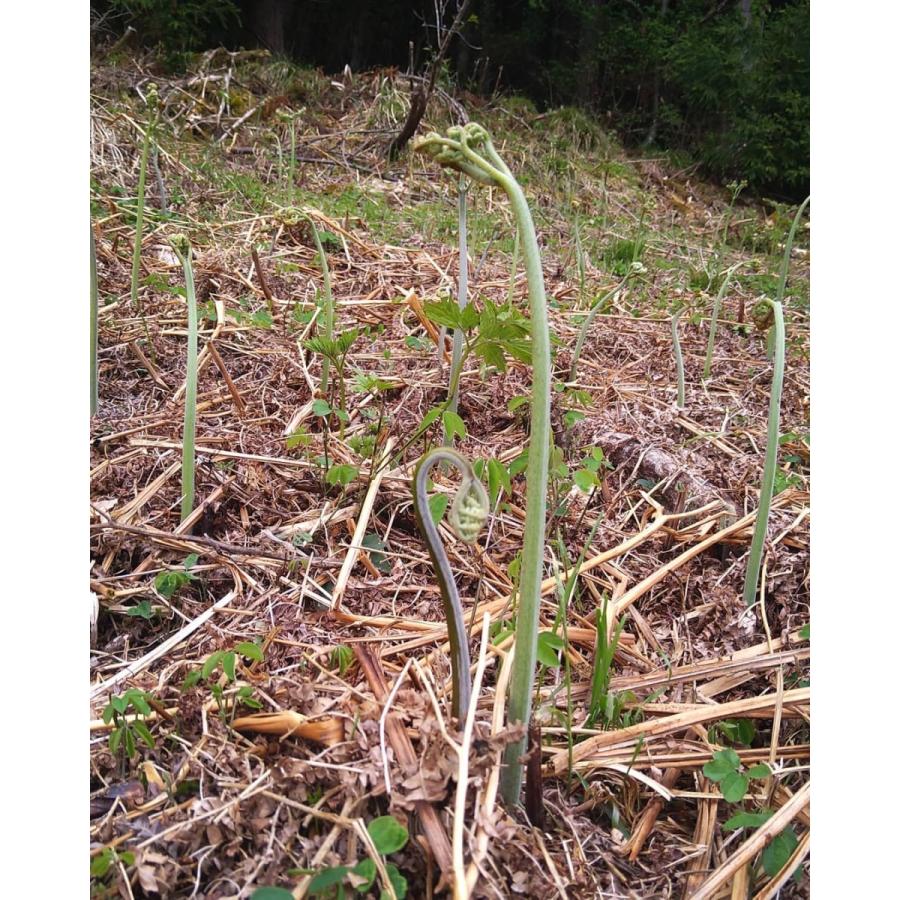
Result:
pixel 181 245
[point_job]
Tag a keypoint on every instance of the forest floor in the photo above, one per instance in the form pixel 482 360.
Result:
pixel 301 586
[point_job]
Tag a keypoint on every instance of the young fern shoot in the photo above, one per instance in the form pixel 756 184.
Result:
pixel 462 299
pixel 182 247
pixel 468 513
pixel 783 273
pixel 768 482
pixel 153 107
pixel 714 321
pixel 94 314
pixel 679 359
pixel 588 321
pixel 469 149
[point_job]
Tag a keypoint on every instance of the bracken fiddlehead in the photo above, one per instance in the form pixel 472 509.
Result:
pixel 468 513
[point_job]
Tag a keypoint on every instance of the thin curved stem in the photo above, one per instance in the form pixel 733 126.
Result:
pixel 679 360
pixel 714 321
pixel 768 482
pixel 182 247
pixel 467 516
pixel 586 325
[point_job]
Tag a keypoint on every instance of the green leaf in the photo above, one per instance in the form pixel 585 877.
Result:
pixel 375 545
pixel 341 657
pixel 138 701
pixel 190 561
pixel 437 504
pixel 250 650
pixel 108 714
pixel 342 474
pixel 299 438
pixel 327 878
pixel 212 661
pixel 398 882
pixel 571 417
pixel 100 864
pixel 760 770
pixel 448 314
pixel 734 787
pixel 454 425
pixel 779 851
pixel 516 402
pixel 115 739
pixel 142 610
pixel 548 647
pixel 748 820
pixel 321 408
pixel 430 418
pixel 804 632
pixel 367 869
pixel 271 893
pixel 519 464
pixel 119 704
pixel 229 660
pixel 167 583
pixel 498 479
pixel 143 732
pixel 130 747
pixel 191 679
pixel 387 834
pixel 723 763
pixel 585 480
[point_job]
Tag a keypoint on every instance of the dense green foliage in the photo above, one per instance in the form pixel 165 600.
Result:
pixel 726 81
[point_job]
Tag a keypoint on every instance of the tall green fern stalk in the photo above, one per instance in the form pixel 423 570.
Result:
pixel 785 265
pixel 768 482
pixel 462 299
pixel 714 321
pixel 94 314
pixel 153 108
pixel 469 149
pixel 182 247
pixel 679 359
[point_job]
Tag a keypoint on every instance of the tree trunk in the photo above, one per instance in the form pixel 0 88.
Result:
pixel 268 22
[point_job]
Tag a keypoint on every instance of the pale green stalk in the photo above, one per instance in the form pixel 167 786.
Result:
pixel 768 482
pixel 182 247
pixel 462 299
pixel 679 360
pixel 456 151
pixel 714 321
pixel 586 324
pixel 783 274
pixel 514 271
pixel 94 313
pixel 152 104
pixel 329 301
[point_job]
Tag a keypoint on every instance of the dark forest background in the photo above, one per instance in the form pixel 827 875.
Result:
pixel 726 81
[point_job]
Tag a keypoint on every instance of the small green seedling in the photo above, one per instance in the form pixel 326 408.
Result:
pixel 726 770
pixel 388 836
pixel 128 727
pixel 170 582
pixel 108 857
pixel 227 661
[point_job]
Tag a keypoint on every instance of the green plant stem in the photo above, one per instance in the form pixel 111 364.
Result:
pixel 783 273
pixel 94 314
pixel 462 299
pixel 768 482
pixel 586 324
pixel 468 514
pixel 714 321
pixel 183 249
pixel 679 360
pixel 456 151
pixel 329 301
pixel 139 224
